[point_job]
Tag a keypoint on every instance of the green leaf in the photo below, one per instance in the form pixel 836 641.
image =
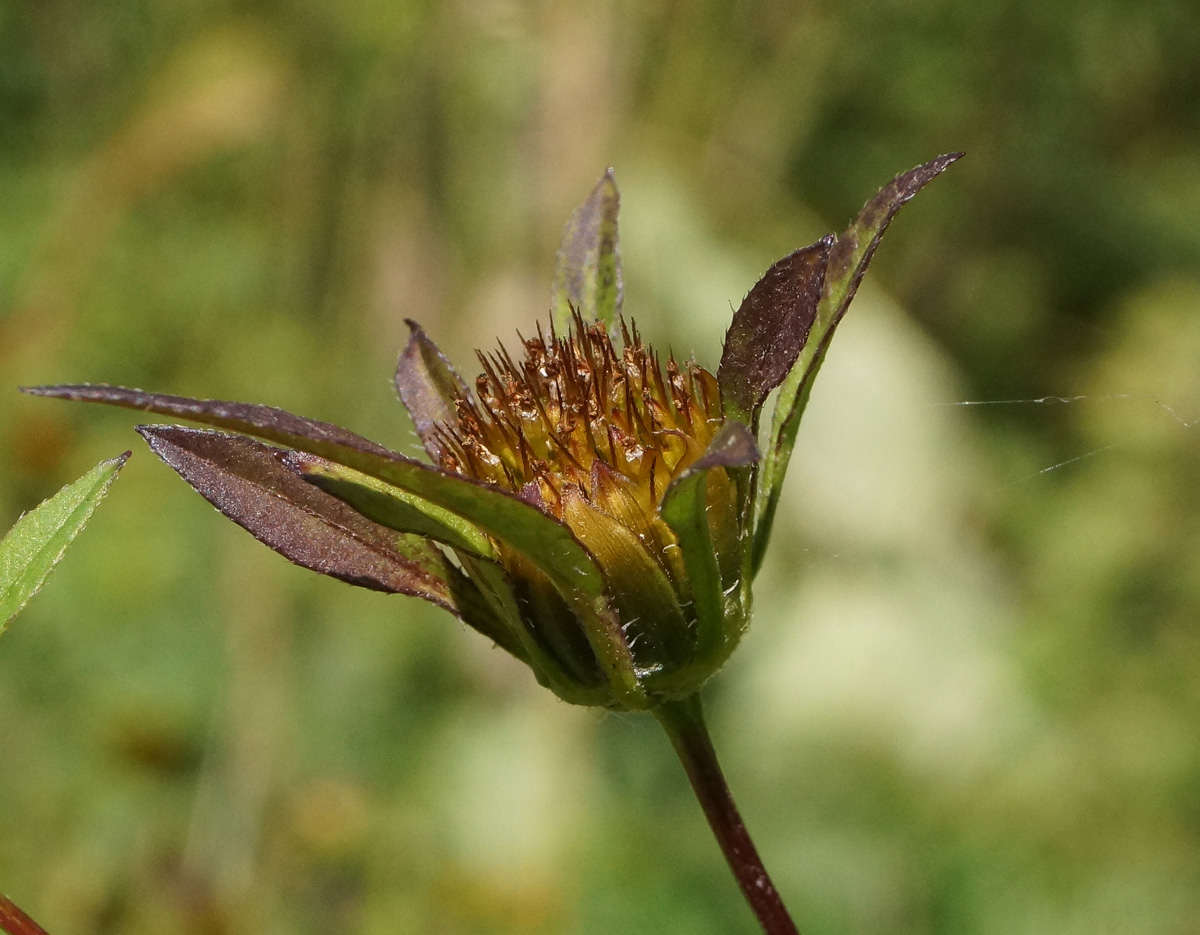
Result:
pixel 685 510
pixel 587 268
pixel 849 257
pixel 506 518
pixel 36 543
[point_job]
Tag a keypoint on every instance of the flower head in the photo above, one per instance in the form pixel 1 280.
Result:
pixel 596 512
pixel 595 435
pixel 575 412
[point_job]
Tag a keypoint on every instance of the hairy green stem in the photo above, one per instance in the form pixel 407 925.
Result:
pixel 14 921
pixel 684 723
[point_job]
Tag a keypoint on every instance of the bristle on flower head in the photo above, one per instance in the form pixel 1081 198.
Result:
pixel 578 413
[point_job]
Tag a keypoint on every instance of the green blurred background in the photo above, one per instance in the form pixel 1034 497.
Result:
pixel 970 702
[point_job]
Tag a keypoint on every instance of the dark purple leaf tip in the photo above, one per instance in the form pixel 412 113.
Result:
pixel 770 328
pixel 734 446
pixel 876 215
pixel 903 187
pixel 428 387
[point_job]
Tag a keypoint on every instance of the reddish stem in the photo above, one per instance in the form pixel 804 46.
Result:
pixel 14 921
pixel 684 723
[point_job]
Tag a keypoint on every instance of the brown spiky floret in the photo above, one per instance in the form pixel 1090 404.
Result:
pixel 578 412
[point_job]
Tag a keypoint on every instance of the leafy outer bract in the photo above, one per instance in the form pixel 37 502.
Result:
pixel 428 387
pixel 248 482
pixel 506 518
pixel 14 921
pixel 769 330
pixel 388 505
pixel 849 257
pixel 685 509
pixel 587 267
pixel 31 549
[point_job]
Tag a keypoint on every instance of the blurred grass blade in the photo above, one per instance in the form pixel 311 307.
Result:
pixel 390 506
pixel 849 257
pixel 523 527
pixel 587 267
pixel 36 543
pixel 769 330
pixel 428 386
pixel 14 921
pixel 685 510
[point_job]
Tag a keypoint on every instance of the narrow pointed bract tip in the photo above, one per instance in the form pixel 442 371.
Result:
pixel 77 391
pixel 733 446
pixel 149 430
